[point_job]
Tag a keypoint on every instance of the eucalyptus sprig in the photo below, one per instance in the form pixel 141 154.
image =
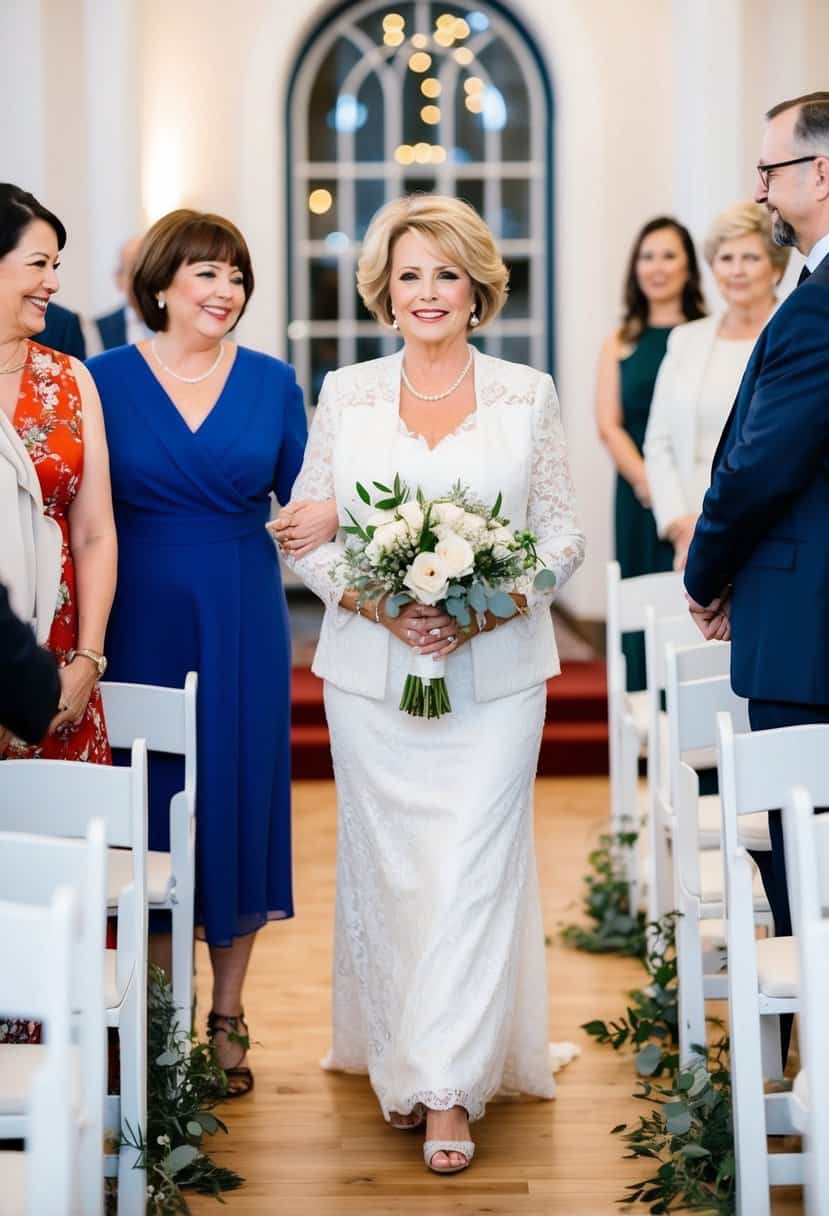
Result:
pixel 616 928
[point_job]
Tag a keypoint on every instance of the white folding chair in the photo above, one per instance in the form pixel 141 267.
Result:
pixel 628 712
pixel 32 869
pixel 36 950
pixel 699 884
pixel 807 872
pixel 166 719
pixel 660 632
pixel 757 772
pixel 58 798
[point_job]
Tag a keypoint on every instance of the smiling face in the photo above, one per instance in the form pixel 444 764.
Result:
pixel 790 195
pixel 744 271
pixel 27 281
pixel 204 299
pixel 432 298
pixel 662 266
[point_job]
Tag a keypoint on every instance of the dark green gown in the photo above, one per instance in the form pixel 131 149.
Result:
pixel 638 548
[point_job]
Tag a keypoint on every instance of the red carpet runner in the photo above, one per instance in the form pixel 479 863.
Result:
pixel 574 743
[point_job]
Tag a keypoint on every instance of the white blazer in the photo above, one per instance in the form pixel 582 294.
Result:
pixel 30 542
pixel 670 440
pixel 352 436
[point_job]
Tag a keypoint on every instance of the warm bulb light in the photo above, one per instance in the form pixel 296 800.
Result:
pixel 430 87
pixel 393 21
pixel 463 56
pixel 472 85
pixel 420 61
pixel 404 154
pixel 438 154
pixel 461 29
pixel 430 114
pixel 394 37
pixel 445 21
pixel 423 153
pixel 320 201
pixel 444 38
pixel 419 41
pixel 474 103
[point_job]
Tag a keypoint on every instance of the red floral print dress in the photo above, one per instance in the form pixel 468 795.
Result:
pixel 48 420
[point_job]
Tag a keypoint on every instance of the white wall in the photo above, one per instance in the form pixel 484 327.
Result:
pixel 658 107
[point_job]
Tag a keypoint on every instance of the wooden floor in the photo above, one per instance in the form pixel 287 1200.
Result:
pixel 311 1143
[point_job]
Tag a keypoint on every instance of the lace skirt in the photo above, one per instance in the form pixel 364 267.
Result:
pixel 439 972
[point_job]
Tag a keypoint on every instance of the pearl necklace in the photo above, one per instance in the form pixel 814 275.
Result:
pixel 188 379
pixel 435 396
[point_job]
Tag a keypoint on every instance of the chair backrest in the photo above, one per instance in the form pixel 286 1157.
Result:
pixel 626 602
pixel 36 945
pixel 757 770
pixel 661 632
pixel 164 717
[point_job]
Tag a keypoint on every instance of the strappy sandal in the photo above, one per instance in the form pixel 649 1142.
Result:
pixel 431 1148
pixel 239 1076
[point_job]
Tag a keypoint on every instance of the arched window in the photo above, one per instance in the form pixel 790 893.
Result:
pixel 391 98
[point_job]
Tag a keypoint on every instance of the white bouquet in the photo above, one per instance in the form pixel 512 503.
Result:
pixel 453 552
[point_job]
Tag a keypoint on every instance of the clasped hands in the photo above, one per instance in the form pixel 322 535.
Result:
pixel 302 526
pixel 713 621
pixel 77 680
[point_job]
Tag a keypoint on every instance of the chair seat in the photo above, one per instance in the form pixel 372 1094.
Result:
pixel 18 1064
pixel 159 876
pixel 753 829
pixel 712 880
pixel 13 1183
pixel 778 967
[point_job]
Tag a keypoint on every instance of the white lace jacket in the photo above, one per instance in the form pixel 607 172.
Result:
pixel 526 461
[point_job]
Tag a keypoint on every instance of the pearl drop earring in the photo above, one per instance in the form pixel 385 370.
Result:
pixel 160 302
pixel 395 323
pixel 473 320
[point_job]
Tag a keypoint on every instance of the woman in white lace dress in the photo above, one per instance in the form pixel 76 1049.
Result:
pixel 439 969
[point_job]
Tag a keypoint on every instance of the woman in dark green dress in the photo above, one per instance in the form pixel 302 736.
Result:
pixel 662 290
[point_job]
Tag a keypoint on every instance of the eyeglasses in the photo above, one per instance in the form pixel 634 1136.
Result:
pixel 764 170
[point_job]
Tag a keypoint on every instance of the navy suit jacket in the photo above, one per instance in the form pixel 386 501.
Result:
pixel 29 681
pixel 113 328
pixel 62 332
pixel 764 526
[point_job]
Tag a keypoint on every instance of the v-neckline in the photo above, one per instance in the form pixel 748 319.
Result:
pixel 464 423
pixel 171 403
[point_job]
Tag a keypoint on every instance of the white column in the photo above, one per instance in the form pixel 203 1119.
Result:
pixel 708 80
pixel 22 99
pixel 112 47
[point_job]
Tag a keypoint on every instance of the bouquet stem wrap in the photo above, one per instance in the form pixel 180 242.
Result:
pixel 424 693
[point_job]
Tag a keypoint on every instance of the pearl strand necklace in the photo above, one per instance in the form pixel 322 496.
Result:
pixel 188 379
pixel 435 396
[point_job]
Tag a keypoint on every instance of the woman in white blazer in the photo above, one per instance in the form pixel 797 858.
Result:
pixel 701 372
pixel 439 970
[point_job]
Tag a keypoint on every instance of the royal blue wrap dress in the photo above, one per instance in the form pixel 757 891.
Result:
pixel 199 589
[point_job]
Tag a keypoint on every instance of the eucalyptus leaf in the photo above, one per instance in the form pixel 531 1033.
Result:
pixel 364 494
pixel 477 598
pixel 501 605
pixel 463 617
pixel 387 504
pixel 455 590
pixel 694 1150
pixel 545 580
pixel 194 1128
pixel 379 486
pixel 454 607
pixel 677 1118
pixel 167 1059
pixel 647 1061
pixel 180 1157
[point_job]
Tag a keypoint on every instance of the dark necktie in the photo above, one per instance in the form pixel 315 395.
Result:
pixel 804 274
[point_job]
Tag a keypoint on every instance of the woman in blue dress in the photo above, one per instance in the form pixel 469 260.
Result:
pixel 200 432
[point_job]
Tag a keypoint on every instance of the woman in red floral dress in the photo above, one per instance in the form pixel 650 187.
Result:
pixel 54 407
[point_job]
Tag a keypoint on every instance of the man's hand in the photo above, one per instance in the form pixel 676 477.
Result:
pixel 714 621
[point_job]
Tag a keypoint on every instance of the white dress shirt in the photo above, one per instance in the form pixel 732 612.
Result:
pixel 818 252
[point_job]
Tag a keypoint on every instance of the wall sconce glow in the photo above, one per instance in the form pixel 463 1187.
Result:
pixel 420 62
pixel 478 22
pixel 430 114
pixel 430 87
pixel 494 112
pixel 423 153
pixel 320 201
pixel 348 115
pixel 404 154
pixel 463 56
pixel 337 242
pixel 162 174
pixel 393 21
pixel 394 37
pixel 419 41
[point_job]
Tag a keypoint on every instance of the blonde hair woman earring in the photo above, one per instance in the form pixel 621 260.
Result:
pixel 702 369
pixel 440 989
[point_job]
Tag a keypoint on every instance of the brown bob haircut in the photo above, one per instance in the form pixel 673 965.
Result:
pixel 181 238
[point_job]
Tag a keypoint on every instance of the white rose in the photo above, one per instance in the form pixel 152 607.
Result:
pixel 500 552
pixel 456 554
pixel 502 536
pixel 472 524
pixel 412 514
pixel 427 578
pixel 385 538
pixel 447 513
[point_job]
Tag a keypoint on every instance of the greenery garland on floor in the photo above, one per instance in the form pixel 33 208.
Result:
pixel 689 1133
pixel 182 1088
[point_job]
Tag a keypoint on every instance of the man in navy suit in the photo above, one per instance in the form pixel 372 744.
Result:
pixel 123 325
pixel 62 331
pixel 29 680
pixel 758 566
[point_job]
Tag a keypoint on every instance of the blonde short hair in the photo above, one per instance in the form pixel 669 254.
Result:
pixel 459 233
pixel 744 219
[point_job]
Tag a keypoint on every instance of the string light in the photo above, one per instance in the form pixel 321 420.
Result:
pixel 419 41
pixel 420 61
pixel 320 201
pixel 404 154
pixel 394 37
pixel 438 154
pixel 423 153
pixel 460 29
pixel 430 87
pixel 430 114
pixel 463 56
pixel 393 21
pixel 474 103
pixel 473 84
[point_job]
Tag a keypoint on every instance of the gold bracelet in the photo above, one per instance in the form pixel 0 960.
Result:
pixel 377 605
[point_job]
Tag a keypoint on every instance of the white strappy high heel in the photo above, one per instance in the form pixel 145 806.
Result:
pixel 432 1147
